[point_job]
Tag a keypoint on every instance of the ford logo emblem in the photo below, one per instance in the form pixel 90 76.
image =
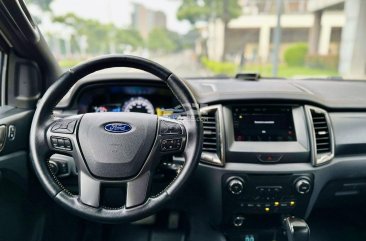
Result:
pixel 117 127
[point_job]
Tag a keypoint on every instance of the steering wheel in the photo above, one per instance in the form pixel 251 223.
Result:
pixel 114 148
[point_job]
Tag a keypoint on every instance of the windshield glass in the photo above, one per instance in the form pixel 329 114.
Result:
pixel 194 38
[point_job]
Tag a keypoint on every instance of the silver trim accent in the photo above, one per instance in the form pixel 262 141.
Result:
pixel 3 79
pixel 217 159
pixel 319 159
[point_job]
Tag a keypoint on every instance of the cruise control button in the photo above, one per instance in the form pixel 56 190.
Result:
pixel 170 128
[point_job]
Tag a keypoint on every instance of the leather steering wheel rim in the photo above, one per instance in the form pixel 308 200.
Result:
pixel 43 119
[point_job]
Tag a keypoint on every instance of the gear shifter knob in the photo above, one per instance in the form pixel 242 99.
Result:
pixel 297 229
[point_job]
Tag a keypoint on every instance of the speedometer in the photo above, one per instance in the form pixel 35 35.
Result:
pixel 138 104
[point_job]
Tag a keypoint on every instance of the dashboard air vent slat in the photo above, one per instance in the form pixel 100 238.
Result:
pixel 322 135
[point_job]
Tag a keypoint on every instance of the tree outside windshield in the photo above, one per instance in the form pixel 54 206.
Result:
pixel 276 38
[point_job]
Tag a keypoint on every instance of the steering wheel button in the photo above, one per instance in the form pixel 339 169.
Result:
pixel 163 127
pixel 56 126
pixel 60 143
pixel 54 141
pixel 65 126
pixel 176 129
pixel 171 144
pixel 177 143
pixel 170 128
pixel 68 145
pixel 71 126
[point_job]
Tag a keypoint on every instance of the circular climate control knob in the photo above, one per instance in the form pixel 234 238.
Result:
pixel 303 185
pixel 236 185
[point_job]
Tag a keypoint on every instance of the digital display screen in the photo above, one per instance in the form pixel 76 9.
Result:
pixel 112 97
pixel 263 124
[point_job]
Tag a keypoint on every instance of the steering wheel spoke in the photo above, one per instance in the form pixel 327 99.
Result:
pixel 89 190
pixel 138 189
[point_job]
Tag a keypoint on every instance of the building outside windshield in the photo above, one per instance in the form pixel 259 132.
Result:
pixel 201 38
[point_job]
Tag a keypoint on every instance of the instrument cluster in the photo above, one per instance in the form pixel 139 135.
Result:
pixel 126 98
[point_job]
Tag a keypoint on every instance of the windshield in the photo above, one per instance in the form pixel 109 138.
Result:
pixel 199 38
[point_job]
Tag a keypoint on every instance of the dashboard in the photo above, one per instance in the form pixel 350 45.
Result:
pixel 270 146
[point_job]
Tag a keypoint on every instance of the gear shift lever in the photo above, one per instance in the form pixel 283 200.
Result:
pixel 296 229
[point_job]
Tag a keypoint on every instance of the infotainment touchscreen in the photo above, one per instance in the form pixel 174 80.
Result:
pixel 263 124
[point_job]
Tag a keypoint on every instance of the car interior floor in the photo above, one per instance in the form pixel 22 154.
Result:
pixel 326 224
pixel 337 224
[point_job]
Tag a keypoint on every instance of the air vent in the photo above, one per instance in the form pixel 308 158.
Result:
pixel 322 135
pixel 321 129
pixel 212 152
pixel 209 132
pixel 248 76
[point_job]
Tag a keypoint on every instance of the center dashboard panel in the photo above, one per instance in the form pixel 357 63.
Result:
pixel 266 134
pixel 261 136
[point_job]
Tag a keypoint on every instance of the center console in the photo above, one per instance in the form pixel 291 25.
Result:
pixel 266 135
pixel 264 156
pixel 247 195
pixel 259 137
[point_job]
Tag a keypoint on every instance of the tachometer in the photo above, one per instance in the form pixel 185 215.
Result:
pixel 138 104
